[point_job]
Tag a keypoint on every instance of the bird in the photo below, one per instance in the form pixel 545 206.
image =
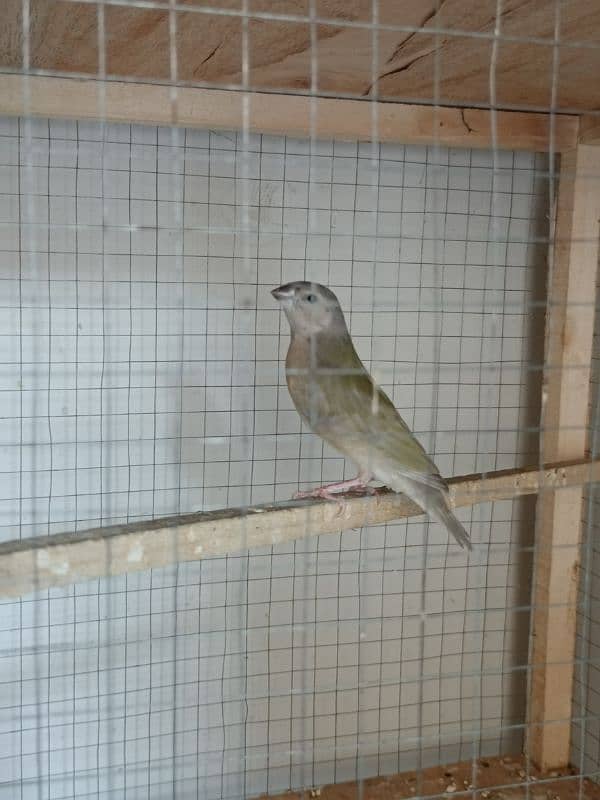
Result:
pixel 339 401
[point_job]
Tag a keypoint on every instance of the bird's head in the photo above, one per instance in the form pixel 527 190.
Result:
pixel 310 308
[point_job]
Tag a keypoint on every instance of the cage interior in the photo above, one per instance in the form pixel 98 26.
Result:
pixel 164 166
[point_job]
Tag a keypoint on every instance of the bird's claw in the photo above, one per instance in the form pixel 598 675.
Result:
pixel 320 493
pixel 368 490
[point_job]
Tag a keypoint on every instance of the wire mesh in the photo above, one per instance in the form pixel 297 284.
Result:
pixel 143 364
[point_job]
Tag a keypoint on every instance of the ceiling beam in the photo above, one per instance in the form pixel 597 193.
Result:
pixel 292 115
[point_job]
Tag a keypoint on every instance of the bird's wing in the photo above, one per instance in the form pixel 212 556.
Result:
pixel 355 416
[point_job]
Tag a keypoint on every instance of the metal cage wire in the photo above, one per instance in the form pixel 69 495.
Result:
pixel 143 363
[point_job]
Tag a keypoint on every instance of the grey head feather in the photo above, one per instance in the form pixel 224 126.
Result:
pixel 311 309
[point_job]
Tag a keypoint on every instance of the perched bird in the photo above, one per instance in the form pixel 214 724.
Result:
pixel 338 399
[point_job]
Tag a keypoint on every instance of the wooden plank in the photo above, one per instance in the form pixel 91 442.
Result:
pixel 589 129
pixel 279 114
pixel 568 355
pixel 427 51
pixel 61 559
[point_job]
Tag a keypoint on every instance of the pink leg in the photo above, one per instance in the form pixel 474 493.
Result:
pixel 329 491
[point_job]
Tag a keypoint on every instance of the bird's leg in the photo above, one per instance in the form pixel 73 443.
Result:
pixel 329 491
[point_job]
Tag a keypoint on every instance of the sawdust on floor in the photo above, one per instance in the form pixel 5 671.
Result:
pixel 502 778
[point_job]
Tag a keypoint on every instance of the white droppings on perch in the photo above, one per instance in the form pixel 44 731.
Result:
pixel 135 554
pixel 44 562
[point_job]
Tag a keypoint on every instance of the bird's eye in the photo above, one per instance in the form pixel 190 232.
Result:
pixel 311 298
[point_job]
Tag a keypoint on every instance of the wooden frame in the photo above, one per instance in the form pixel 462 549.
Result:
pixel 118 101
pixel 66 558
pixel 589 129
pixel 570 314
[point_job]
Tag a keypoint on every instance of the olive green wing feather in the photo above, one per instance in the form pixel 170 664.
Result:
pixel 356 416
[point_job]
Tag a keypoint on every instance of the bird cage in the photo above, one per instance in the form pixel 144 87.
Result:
pixel 173 624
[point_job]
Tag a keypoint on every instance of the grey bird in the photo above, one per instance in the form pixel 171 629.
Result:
pixel 338 399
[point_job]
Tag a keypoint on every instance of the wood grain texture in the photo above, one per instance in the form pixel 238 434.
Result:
pixel 589 129
pixel 38 563
pixel 442 57
pixel 280 114
pixel 564 428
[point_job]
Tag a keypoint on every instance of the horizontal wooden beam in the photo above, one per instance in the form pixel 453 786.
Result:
pixel 293 115
pixel 27 565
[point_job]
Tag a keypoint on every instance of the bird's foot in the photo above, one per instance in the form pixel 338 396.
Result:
pixel 322 493
pixel 359 485
pixel 368 490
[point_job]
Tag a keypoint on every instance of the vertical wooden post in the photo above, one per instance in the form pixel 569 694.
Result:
pixel 565 401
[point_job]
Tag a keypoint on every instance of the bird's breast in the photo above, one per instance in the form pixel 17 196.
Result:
pixel 304 385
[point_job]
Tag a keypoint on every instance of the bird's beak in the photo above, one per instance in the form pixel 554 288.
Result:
pixel 283 292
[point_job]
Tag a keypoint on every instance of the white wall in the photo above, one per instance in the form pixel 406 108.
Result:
pixel 142 375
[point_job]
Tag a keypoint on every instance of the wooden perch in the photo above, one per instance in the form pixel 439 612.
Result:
pixel 27 565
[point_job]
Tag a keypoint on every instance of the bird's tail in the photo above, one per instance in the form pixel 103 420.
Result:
pixel 440 510
pixel 431 493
